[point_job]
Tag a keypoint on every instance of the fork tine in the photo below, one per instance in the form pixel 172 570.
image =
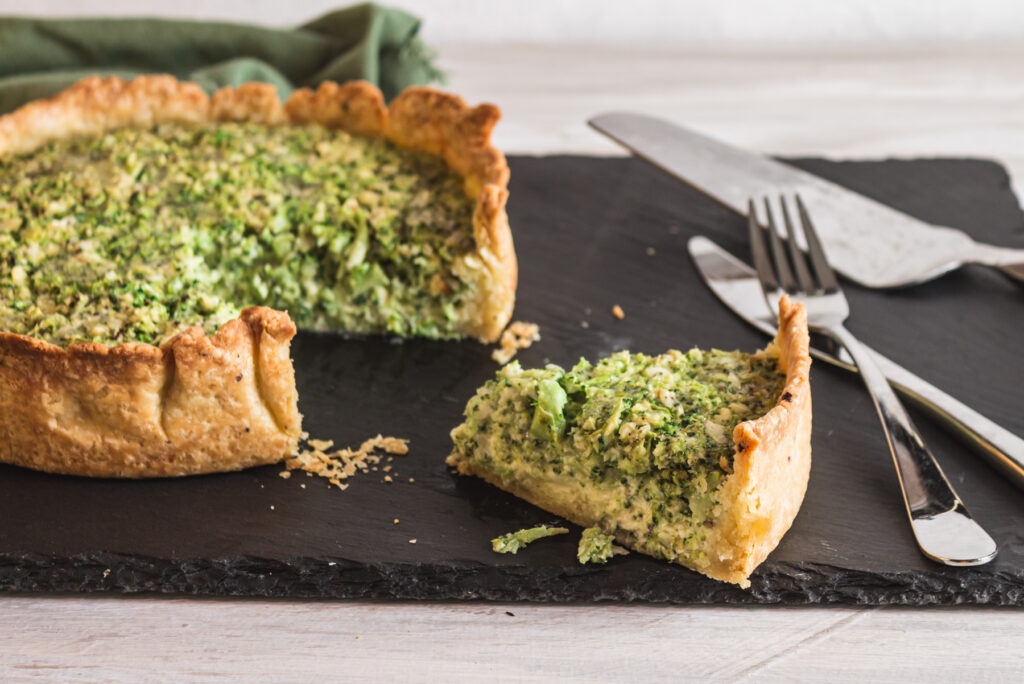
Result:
pixel 826 276
pixel 762 263
pixel 803 274
pixel 786 279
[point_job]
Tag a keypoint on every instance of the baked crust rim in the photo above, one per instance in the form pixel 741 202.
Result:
pixel 115 434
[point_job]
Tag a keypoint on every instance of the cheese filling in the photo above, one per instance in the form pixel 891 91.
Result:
pixel 138 233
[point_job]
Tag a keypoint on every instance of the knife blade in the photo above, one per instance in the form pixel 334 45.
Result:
pixel 867 241
pixel 736 285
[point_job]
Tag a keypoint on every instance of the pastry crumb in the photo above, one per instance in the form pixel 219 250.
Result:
pixel 284 474
pixel 584 324
pixel 395 521
pixel 618 312
pixel 342 464
pixel 412 541
pixel 518 335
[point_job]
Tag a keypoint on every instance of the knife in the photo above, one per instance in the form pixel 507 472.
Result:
pixel 870 243
pixel 738 287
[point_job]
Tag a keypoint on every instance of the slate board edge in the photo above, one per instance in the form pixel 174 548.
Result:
pixel 777 583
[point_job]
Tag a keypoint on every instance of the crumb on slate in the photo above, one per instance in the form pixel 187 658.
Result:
pixel 342 464
pixel 518 335
pixel 618 312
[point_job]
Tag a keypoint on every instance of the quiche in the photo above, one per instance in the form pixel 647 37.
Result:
pixel 159 247
pixel 700 458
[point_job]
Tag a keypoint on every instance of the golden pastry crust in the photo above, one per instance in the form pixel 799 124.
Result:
pixel 203 404
pixel 197 404
pixel 772 463
pixel 758 501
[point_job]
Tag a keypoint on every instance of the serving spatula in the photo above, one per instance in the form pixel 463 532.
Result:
pixel 867 241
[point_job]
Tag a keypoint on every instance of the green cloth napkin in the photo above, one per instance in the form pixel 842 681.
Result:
pixel 39 57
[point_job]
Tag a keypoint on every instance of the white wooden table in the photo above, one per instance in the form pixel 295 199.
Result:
pixel 914 103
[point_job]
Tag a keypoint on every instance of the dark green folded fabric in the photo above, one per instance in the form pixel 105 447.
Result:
pixel 39 57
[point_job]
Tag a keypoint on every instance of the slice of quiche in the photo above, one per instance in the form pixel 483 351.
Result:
pixel 159 246
pixel 700 458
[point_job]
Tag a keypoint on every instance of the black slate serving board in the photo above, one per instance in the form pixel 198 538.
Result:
pixel 584 231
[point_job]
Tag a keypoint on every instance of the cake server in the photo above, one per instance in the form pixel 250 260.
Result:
pixel 737 286
pixel 867 241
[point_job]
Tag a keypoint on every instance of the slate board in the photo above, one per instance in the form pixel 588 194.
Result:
pixel 583 227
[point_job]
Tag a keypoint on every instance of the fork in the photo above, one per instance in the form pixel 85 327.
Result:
pixel 942 526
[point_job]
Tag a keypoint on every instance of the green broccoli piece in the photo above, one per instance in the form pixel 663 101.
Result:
pixel 597 547
pixel 548 417
pixel 513 541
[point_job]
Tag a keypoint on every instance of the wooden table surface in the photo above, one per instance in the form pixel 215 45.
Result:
pixel 911 103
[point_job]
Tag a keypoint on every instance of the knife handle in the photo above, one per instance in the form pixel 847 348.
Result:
pixel 1003 449
pixel 1000 447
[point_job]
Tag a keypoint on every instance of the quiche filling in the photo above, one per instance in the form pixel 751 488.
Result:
pixel 646 441
pixel 138 233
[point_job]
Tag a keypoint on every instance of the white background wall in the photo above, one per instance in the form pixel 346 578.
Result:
pixel 699 23
pixel 842 78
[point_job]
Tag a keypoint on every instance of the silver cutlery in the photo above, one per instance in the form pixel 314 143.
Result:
pixel 870 243
pixel 736 285
pixel 942 526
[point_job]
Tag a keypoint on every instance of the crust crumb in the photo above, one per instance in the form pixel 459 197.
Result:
pixel 341 464
pixel 518 335
pixel 618 312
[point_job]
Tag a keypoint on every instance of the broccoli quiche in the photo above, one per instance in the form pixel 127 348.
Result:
pixel 158 248
pixel 700 458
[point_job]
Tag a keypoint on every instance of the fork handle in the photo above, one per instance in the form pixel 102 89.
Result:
pixel 1008 260
pixel 943 527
